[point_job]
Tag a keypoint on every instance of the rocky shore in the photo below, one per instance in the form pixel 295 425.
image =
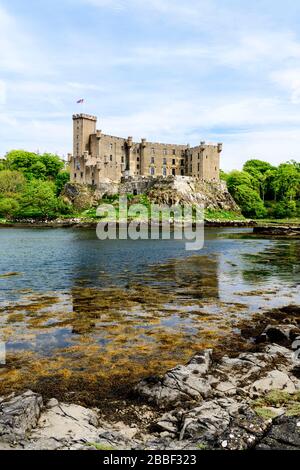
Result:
pixel 250 401
pixel 92 223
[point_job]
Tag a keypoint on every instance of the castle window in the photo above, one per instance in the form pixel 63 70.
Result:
pixel 93 182
pixel 138 150
pixel 110 158
pixel 182 162
pixel 111 146
pixel 152 171
pixel 173 161
pixel 173 171
pixel 152 160
pixel 138 167
pixel 75 175
pixel 138 159
pixel 81 175
pixel 164 161
pixel 164 171
pixel 153 150
pixel 198 166
pixel 165 152
pixel 122 159
pixel 182 172
pixel 174 152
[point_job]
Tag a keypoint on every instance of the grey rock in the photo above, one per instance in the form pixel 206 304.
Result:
pixel 283 435
pixel 183 383
pixel 19 415
pixel 52 403
pixel 275 380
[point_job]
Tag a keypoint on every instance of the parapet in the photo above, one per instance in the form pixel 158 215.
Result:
pixel 84 116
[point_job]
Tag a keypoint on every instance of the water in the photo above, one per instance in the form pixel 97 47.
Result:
pixel 79 315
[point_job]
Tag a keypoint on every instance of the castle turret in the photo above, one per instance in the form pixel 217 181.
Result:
pixel 83 126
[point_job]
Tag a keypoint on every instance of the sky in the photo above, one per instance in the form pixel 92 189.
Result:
pixel 171 71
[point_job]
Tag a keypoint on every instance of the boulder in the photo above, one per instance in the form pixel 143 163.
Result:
pixel 283 435
pixel 275 380
pixel 19 415
pixel 182 383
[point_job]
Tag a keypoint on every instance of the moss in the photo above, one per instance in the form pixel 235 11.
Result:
pixel 202 446
pixel 293 410
pixel 99 446
pixel 276 398
pixel 265 413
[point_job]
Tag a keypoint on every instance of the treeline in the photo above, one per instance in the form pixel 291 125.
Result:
pixel 265 191
pixel 31 185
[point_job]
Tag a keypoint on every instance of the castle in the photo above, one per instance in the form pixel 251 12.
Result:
pixel 99 158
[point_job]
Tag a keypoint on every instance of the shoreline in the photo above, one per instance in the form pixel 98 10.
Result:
pixel 82 223
pixel 246 400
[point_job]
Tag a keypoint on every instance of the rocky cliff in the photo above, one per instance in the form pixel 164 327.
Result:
pixel 171 190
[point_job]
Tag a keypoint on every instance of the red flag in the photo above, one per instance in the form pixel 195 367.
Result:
pixel 80 101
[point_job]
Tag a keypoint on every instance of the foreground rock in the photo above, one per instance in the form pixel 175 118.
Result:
pixel 291 231
pixel 251 401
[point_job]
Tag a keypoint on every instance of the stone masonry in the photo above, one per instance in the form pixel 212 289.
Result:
pixel 99 158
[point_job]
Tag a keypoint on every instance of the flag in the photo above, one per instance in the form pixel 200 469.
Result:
pixel 80 101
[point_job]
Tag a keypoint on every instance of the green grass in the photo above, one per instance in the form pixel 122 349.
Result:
pixel 265 413
pixel 278 399
pixel 222 215
pixel 99 446
pixel 292 221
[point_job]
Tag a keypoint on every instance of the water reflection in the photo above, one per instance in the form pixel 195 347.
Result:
pixel 101 317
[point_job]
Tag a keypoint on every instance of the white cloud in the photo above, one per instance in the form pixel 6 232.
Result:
pixel 289 80
pixel 2 92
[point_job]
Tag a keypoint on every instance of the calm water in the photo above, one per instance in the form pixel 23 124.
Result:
pixel 80 313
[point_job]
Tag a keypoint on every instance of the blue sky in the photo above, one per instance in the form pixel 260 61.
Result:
pixel 168 70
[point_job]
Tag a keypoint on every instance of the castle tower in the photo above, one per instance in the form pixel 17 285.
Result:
pixel 83 126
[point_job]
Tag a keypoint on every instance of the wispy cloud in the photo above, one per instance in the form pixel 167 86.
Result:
pixel 166 70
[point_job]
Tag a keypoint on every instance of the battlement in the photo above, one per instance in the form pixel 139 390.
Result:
pixel 84 116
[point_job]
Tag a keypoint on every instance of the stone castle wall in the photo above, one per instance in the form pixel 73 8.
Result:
pixel 99 158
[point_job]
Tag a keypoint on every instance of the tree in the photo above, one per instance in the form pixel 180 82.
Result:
pixel 237 178
pixel 38 200
pixel 250 202
pixel 11 182
pixel 61 179
pixel 53 164
pixel 22 160
pixel 8 207
pixel 223 175
pixel 286 183
pixel 285 209
pixel 34 166
pixel 262 173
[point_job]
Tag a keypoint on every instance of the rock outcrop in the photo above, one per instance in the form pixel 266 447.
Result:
pixel 164 191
